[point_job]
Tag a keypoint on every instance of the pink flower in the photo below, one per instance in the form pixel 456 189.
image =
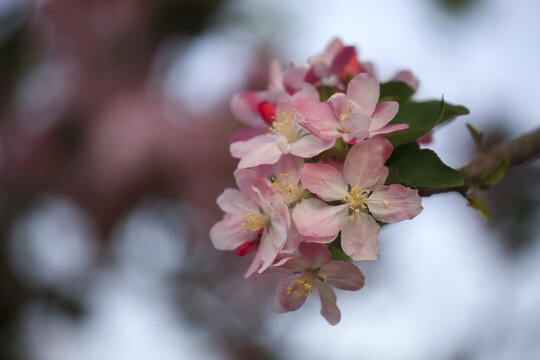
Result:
pixel 408 78
pixel 354 116
pixel 426 139
pixel 252 213
pixel 257 109
pixel 253 108
pixel 290 80
pixel 314 268
pixel 363 197
pixel 286 136
pixel 338 61
pixel 286 183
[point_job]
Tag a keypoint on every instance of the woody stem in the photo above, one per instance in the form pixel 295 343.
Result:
pixel 517 151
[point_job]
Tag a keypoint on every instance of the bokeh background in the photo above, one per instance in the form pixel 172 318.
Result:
pixel 114 128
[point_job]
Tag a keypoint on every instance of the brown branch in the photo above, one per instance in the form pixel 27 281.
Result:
pixel 517 151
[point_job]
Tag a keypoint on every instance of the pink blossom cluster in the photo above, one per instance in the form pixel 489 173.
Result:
pixel 311 177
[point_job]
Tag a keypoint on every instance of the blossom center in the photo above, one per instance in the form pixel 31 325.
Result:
pixel 289 191
pixel 284 125
pixel 303 286
pixel 254 222
pixel 355 199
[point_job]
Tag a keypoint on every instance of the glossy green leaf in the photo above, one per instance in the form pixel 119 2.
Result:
pixel 395 91
pixel 393 177
pixel 452 111
pixel 422 117
pixel 419 168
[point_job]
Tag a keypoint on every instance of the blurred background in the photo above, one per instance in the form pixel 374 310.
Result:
pixel 114 128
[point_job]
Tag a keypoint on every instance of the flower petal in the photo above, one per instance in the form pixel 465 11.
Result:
pixel 320 239
pixel 276 73
pixel 293 239
pixel 368 67
pixel 281 219
pixel 290 165
pixel 324 180
pixel 390 129
pixel 329 53
pixel 315 254
pixel 384 112
pixel 309 145
pixel 358 124
pixel 360 237
pixel 340 104
pixel 244 108
pixel 287 265
pixel 342 58
pixel 408 78
pixel 284 302
pixel 271 96
pixel 258 150
pixel 313 218
pixel 232 201
pixel 266 252
pixel 329 308
pixel 394 203
pixel 226 234
pixel 310 91
pixel 294 79
pixel 319 116
pixel 364 165
pixel 343 275
pixel 363 90
pixel 247 179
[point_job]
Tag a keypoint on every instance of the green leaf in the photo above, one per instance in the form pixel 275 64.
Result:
pixel 420 168
pixel 477 203
pixel 495 175
pixel 338 254
pixel 452 111
pixel 337 251
pixel 395 91
pixel 327 91
pixel 476 135
pixel 422 117
pixel 393 177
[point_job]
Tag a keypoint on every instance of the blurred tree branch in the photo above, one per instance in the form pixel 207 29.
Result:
pixel 516 151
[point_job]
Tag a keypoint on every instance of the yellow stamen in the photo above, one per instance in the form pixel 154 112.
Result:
pixel 254 222
pixel 355 199
pixel 303 286
pixel 284 125
pixel 386 203
pixel 290 191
